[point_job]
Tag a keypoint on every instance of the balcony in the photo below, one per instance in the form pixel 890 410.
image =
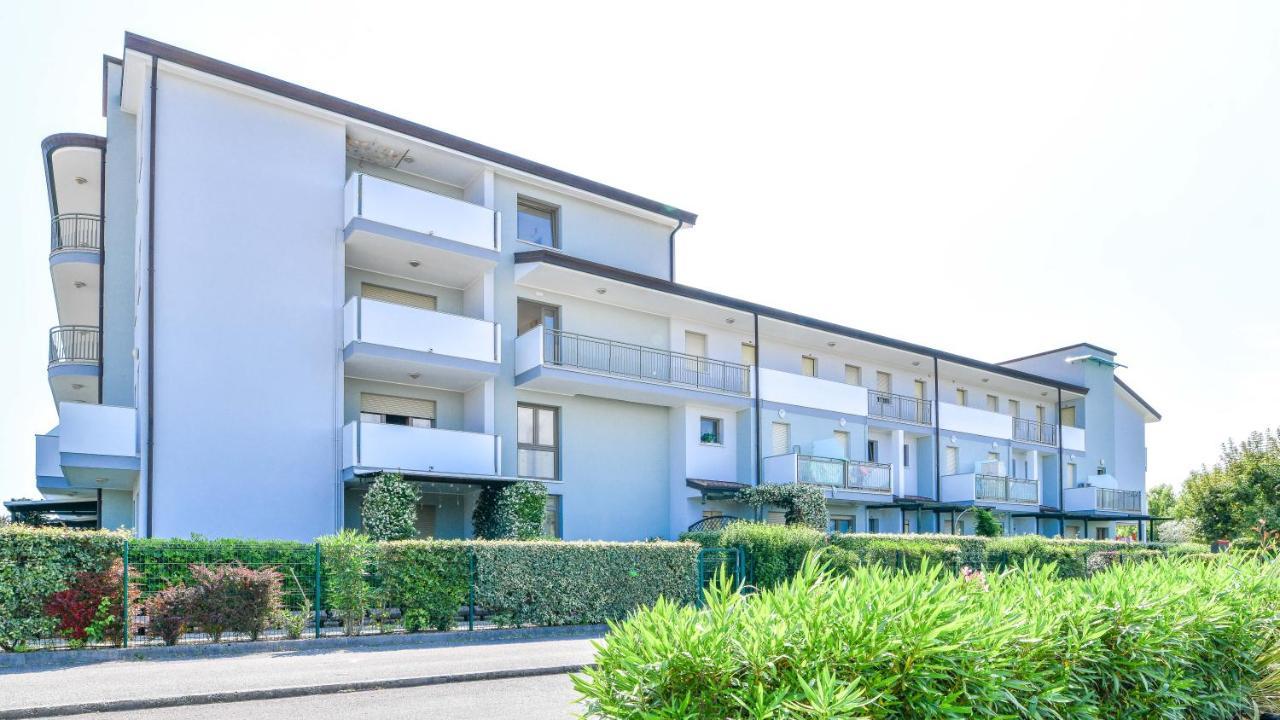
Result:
pixel 973 421
pixel 386 341
pixel 1072 438
pixel 1033 431
pixel 49 475
pixel 570 363
pixel 389 226
pixel 373 447
pixel 76 232
pixel 834 473
pixel 899 407
pixel 986 489
pixel 803 391
pixel 75 361
pixel 98 445
pixel 1092 499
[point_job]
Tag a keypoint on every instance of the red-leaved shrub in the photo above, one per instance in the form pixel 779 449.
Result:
pixel 76 607
pixel 233 597
pixel 168 613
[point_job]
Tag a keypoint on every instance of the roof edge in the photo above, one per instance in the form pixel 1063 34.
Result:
pixel 276 86
pixel 1136 396
pixel 653 283
pixel 1099 348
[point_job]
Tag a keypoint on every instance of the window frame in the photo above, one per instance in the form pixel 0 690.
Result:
pixel 856 372
pixel 524 202
pixel 807 363
pixel 535 446
pixel 718 434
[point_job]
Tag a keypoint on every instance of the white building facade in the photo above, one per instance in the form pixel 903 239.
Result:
pixel 267 296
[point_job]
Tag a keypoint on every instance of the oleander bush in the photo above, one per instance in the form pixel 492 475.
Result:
pixel 427 579
pixel 35 563
pixel 348 557
pixel 1160 639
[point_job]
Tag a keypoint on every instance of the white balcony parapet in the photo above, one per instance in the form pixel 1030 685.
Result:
pixel 803 391
pixel 1073 438
pixel 48 459
pixel 974 421
pixel 420 211
pixel 1101 498
pixel 97 430
pixel 401 326
pixel 375 446
pixel 836 473
pixel 989 489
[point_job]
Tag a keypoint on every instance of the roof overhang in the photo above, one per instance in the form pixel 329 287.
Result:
pixel 73 172
pixel 1149 413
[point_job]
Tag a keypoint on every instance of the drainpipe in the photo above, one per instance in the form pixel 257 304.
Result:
pixel 671 250
pixel 151 297
pixel 1062 480
pixel 937 434
pixel 755 372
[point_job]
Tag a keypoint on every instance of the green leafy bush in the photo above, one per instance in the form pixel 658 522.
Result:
pixel 560 583
pixel 1156 639
pixel 1100 561
pixel 972 549
pixel 168 613
pixel 510 512
pixel 912 555
pixel 390 508
pixel 804 505
pixel 36 562
pixel 773 552
pixel 233 597
pixel 427 579
pixel 986 523
pixel 158 563
pixel 348 556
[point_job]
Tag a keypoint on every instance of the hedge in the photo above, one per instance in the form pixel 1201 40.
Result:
pixel 36 562
pixel 158 563
pixel 1159 639
pixel 427 579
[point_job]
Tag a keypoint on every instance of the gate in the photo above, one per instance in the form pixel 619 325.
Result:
pixel 712 561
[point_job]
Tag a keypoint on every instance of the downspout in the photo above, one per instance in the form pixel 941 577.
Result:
pixel 937 434
pixel 755 372
pixel 151 297
pixel 102 274
pixel 671 250
pixel 1062 479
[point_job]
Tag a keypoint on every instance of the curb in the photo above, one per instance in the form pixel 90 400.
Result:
pixel 51 659
pixel 281 692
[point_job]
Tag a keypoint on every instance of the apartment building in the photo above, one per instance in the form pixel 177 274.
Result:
pixel 267 295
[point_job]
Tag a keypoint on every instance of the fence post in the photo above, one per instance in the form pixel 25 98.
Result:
pixel 124 598
pixel 318 582
pixel 471 599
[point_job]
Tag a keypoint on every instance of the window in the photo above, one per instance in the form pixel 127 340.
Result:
pixel 809 366
pixel 921 389
pixel 842 524
pixel 1073 532
pixel 748 354
pixel 709 431
pixel 1069 416
pixel 960 527
pixel 537 442
pixel 884 382
pixel 551 517
pixel 776 518
pixel 1100 533
pixel 398 297
pixel 1015 408
pixel 537 222
pixel 962 397
pixel 695 343
pixel 906 456
pixel 873 525
pixel 1040 413
pixel 1071 475
pixel 993 403
pixel 390 410
pixel 853 375
pixel 906 525
pixel 873 450
pixel 781 438
pixel 951 460
pixel 530 315
pixel 842 441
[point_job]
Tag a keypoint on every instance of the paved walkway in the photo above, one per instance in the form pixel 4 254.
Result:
pixel 145 679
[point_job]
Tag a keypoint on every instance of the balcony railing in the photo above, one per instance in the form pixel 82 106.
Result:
pixel 1035 431
pixel 997 488
pixel 1114 500
pixel 628 360
pixel 871 476
pixel 839 473
pixel 74 344
pixel 900 407
pixel 76 231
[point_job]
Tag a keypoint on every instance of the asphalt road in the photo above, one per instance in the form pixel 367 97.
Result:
pixel 537 698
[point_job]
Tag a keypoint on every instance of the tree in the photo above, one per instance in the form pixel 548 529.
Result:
pixel 1228 500
pixel 804 504
pixel 987 525
pixel 390 508
pixel 1161 501
pixel 510 512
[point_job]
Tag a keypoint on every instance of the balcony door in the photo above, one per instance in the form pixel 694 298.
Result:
pixel 530 315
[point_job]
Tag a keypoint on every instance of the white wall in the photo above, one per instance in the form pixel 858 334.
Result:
pixel 249 283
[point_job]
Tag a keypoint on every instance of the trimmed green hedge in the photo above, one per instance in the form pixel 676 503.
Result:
pixel 158 563
pixel 427 579
pixel 36 562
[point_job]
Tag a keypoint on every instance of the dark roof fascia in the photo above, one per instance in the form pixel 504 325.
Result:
pixel 648 281
pixel 711 485
pixel 1091 346
pixel 1138 397
pixel 57 142
pixel 107 60
pixel 275 86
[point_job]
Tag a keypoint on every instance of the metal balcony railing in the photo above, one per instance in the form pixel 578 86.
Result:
pixel 1119 500
pixel 900 407
pixel 74 344
pixel 845 474
pixel 76 231
pixel 628 360
pixel 997 488
pixel 1035 431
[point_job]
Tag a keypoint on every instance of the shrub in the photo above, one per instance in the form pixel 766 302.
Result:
pixel 559 583
pixel 93 601
pixel 774 552
pixel 158 563
pixel 347 557
pixel 1178 531
pixel 1157 639
pixel 510 512
pixel 912 555
pixel 390 508
pixel 427 579
pixel 987 525
pixel 168 613
pixel 233 597
pixel 972 549
pixel 1100 561
pixel 38 562
pixel 805 505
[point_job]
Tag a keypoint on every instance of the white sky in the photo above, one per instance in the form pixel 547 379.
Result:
pixel 992 179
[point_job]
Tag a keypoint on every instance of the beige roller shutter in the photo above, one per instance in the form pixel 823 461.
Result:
pixel 781 438
pixel 391 405
pixel 399 297
pixel 884 382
